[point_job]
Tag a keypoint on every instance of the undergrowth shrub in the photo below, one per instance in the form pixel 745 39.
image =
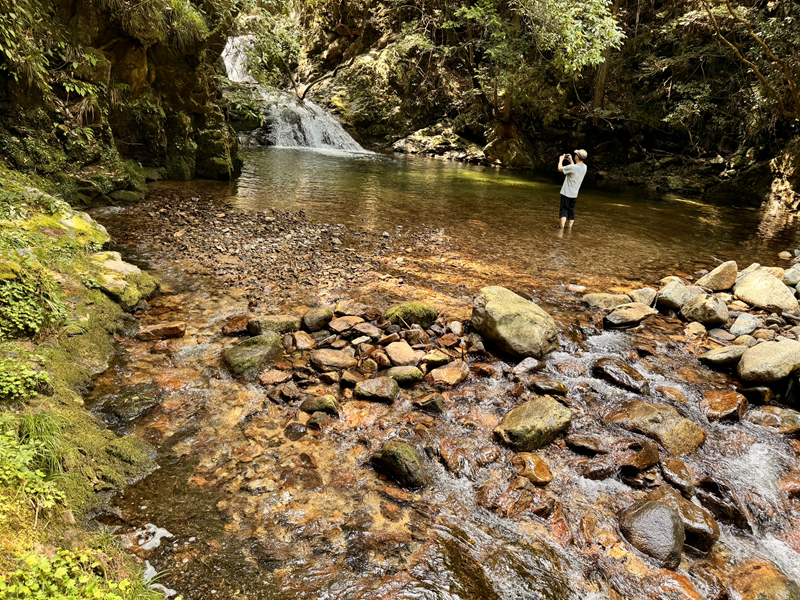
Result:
pixel 41 430
pixel 19 382
pixel 29 302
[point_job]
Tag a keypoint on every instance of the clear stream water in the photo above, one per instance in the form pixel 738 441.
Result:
pixel 258 514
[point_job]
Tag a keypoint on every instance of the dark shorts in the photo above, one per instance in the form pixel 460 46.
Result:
pixel 567 208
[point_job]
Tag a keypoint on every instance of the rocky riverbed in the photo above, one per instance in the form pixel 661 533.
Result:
pixel 321 437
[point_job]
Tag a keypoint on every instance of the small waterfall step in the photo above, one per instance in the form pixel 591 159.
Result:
pixel 290 122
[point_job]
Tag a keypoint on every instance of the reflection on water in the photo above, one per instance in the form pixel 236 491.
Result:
pixel 502 216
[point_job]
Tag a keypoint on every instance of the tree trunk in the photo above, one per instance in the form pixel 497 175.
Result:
pixel 599 98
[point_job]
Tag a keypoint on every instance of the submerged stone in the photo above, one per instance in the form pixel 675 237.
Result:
pixel 434 404
pixel 401 462
pixel 326 404
pixel 532 467
pixel 662 423
pixel 655 529
pixel 380 389
pixel 534 424
pixel 620 374
pixel 247 358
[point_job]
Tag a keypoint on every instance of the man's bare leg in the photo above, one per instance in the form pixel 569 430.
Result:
pixel 564 222
pixel 570 223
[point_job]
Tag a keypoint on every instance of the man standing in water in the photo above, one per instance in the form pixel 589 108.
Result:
pixel 575 172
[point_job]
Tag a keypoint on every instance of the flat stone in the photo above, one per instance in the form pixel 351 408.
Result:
pixel 401 462
pixel 646 296
pixel 628 315
pixel 405 376
pixel 162 331
pixel 332 360
pixel 351 308
pixel 514 325
pixel 676 434
pixel 276 323
pixel 449 375
pixel 769 361
pixel 351 378
pixel 721 335
pixel 699 525
pixel 606 301
pixel 401 354
pixel 325 404
pixel 748 341
pixel 764 290
pixel 723 356
pixel 655 529
pixel 620 374
pixel 236 325
pixel 527 366
pixel 367 329
pixel 380 389
pixel 342 324
pixel 720 405
pixel 533 468
pixel 545 385
pixel 720 279
pixel 783 420
pixel 745 324
pixel 673 295
pixel 706 309
pixel 317 319
pixel 534 424
pixel 247 358
pixel 274 377
pixel 672 394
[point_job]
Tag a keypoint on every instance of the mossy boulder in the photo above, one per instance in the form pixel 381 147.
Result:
pixel 534 424
pixel 405 376
pixel 401 462
pixel 411 313
pixel 276 323
pixel 247 358
pixel 325 404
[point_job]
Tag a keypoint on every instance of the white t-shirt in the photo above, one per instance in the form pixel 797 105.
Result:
pixel 573 180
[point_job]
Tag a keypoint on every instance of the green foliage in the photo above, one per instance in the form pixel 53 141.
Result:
pixel 22 51
pixel 177 22
pixel 19 472
pixel 19 382
pixel 30 302
pixel 84 575
pixel 41 430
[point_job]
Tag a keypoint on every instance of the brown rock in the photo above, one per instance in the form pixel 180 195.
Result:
pixel 723 404
pixel 762 581
pixel 162 331
pixel 380 389
pixel 274 377
pixel 236 325
pixel 303 341
pixel 662 423
pixel 678 474
pixel 700 527
pixel 449 340
pixel 790 483
pixel 162 347
pixel 342 324
pixel 532 467
pixel 331 360
pixel 401 354
pixel 672 394
pixel 449 375
pixel 638 454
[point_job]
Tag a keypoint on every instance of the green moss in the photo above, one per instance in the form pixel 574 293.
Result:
pixel 147 286
pixel 409 313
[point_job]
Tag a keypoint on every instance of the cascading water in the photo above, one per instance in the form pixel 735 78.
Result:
pixel 290 122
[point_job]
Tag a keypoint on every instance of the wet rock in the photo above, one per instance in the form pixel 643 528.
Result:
pixel 745 324
pixel 277 323
pixel 449 375
pixel 401 354
pixel 620 374
pixel 351 378
pixel 676 473
pixel 673 295
pixel 513 324
pixel 699 525
pixel 236 325
pixel 533 468
pixel 342 324
pixel 435 359
pixel 790 483
pixel 762 581
pixel 545 385
pixel 662 423
pixel 655 529
pixel 412 313
pixel 332 360
pixel 598 468
pixel 723 503
pixel 533 424
pixel 758 394
pixel 705 309
pixel 401 462
pixel 723 356
pixel 782 420
pixel 720 405
pixel 720 279
pixel 318 421
pixel 247 358
pixel 294 431
pixel 162 331
pixel 527 366
pixel 274 377
pixel 766 291
pixel 586 443
pixel 672 394
pixel 405 376
pixel 325 404
pixel 629 315
pixel 380 389
pixel 317 319
pixel 646 296
pixel 434 404
pixel 646 479
pixel 606 301
pixel 769 361
pixel 636 454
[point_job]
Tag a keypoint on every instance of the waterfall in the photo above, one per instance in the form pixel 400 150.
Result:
pixel 290 122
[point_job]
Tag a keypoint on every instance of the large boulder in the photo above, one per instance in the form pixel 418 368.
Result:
pixel 769 361
pixel 410 313
pixel 701 528
pixel 705 309
pixel 662 423
pixel 513 324
pixel 764 290
pixel 247 358
pixel 401 462
pixel 654 529
pixel 720 279
pixel 533 424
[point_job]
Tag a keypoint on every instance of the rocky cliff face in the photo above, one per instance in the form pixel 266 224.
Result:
pixel 127 104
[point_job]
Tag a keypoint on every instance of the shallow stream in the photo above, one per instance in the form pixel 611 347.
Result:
pixel 261 507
